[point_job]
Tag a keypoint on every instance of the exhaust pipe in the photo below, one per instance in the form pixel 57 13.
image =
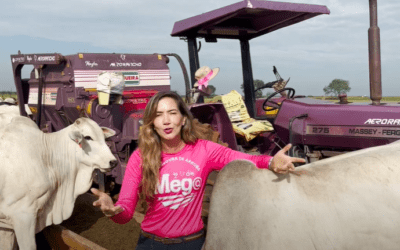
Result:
pixel 374 47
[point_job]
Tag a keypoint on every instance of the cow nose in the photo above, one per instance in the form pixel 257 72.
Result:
pixel 113 163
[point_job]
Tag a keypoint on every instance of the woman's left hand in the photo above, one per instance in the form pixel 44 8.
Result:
pixel 282 163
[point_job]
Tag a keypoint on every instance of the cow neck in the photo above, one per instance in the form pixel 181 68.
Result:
pixel 62 162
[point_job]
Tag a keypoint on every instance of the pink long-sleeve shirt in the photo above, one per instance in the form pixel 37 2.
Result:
pixel 176 208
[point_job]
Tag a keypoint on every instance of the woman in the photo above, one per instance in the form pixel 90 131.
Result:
pixel 170 169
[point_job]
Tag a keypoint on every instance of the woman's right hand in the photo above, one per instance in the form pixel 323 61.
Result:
pixel 105 203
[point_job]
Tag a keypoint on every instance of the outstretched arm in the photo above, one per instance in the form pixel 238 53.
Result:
pixel 123 210
pixel 281 163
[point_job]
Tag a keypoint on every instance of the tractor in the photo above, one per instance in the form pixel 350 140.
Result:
pixel 111 89
pixel 62 88
pixel 317 129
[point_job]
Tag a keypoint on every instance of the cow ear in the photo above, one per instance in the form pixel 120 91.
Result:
pixel 108 132
pixel 76 136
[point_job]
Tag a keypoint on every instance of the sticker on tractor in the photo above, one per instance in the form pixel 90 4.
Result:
pixel 131 78
pixel 18 59
pixel 125 64
pixel 91 64
pixel 154 78
pixel 49 96
pixel 383 121
pixel 45 58
pixel 384 132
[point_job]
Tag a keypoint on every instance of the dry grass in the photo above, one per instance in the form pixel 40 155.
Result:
pixel 387 99
pixel 6 95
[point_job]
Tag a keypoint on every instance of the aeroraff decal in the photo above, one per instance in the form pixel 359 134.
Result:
pixel 383 121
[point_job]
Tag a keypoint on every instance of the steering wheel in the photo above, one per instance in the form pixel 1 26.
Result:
pixel 267 103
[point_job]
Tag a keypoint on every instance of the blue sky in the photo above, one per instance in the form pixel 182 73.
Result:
pixel 311 53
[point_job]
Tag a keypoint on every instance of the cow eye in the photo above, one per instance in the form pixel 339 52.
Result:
pixel 88 138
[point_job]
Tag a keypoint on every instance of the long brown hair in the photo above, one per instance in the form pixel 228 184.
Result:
pixel 150 141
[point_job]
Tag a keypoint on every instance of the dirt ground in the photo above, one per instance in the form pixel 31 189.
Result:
pixel 89 222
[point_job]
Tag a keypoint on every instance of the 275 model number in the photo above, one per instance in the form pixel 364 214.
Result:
pixel 323 130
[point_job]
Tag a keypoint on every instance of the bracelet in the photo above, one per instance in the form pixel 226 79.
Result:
pixel 269 162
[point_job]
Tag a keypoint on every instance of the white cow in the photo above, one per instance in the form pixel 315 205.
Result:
pixel 9 109
pixel 42 175
pixel 350 201
pixel 10 100
pixel 5 118
pixel 10 106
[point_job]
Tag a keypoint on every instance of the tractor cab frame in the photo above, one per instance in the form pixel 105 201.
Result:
pixel 316 129
pixel 243 21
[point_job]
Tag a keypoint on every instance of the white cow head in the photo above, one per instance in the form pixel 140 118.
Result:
pixel 91 139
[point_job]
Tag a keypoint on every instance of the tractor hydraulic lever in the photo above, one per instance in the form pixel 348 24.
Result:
pixel 271 84
pixel 291 150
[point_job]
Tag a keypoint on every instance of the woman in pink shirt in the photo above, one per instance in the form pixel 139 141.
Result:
pixel 169 170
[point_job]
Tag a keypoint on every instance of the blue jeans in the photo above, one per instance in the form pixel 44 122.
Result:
pixel 145 243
